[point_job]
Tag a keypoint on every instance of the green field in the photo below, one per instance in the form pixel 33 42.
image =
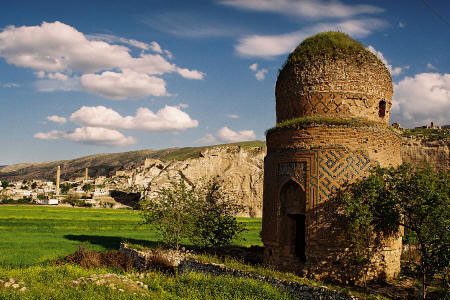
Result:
pixel 36 234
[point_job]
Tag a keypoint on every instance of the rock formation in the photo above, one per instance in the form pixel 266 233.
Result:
pixel 241 170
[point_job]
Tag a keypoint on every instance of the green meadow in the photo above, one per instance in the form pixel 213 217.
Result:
pixel 36 234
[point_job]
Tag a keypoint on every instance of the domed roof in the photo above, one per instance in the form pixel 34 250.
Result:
pixel 332 75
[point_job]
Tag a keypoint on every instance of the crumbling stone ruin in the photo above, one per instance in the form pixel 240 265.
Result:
pixel 333 100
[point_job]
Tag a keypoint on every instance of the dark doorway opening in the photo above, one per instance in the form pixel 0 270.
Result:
pixel 299 236
pixel 293 220
pixel 382 109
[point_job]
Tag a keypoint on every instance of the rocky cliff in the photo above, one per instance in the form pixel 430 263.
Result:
pixel 241 170
pixel 434 152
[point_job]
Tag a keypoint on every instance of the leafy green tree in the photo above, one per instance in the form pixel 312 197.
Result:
pixel 170 212
pixel 34 185
pixel 65 188
pixel 213 221
pixel 5 184
pixel 87 187
pixel 417 199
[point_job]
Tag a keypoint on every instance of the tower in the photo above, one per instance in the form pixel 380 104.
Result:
pixel 58 175
pixel 86 177
pixel 333 100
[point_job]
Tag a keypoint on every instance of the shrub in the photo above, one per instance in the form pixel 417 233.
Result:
pixel 417 199
pixel 170 212
pixel 213 222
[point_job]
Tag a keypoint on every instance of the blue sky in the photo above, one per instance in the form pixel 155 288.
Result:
pixel 85 77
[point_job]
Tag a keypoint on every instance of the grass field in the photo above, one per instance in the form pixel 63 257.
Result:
pixel 36 234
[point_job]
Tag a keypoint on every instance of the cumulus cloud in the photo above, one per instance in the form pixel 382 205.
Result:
pixel 421 99
pixel 305 8
pixel 60 52
pixel 393 71
pixel 269 46
pixel 127 84
pixel 89 136
pixel 227 135
pixel 401 24
pixel 169 118
pixel 57 119
pixel 190 74
pixel 260 74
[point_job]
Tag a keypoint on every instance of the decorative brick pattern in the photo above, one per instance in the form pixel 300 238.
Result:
pixel 338 167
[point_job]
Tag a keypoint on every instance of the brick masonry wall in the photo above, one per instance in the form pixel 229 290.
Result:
pixel 351 86
pixel 322 160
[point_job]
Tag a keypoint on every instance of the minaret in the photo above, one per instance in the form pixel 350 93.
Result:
pixel 86 174
pixel 58 174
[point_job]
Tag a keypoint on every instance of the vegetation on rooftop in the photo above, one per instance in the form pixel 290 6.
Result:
pixel 305 122
pixel 332 43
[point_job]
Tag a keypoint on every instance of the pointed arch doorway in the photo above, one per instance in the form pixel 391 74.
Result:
pixel 293 220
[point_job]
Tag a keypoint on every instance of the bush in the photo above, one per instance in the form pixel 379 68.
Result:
pixel 203 216
pixel 213 223
pixel 417 199
pixel 170 212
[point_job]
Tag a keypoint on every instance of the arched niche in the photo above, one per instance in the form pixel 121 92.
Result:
pixel 293 220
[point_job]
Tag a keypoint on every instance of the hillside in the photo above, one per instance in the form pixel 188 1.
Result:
pixel 104 164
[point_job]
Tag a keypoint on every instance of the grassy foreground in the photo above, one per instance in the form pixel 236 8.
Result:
pixel 35 234
pixel 58 282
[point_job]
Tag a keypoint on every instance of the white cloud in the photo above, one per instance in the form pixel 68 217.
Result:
pixel 401 24
pixel 128 84
pixel 253 67
pixel 208 139
pixel 421 99
pixel 394 71
pixel 190 74
pixel 431 67
pixel 57 119
pixel 227 135
pixel 260 74
pixel 233 116
pixel 269 46
pixel 57 51
pixel 58 76
pixel 90 136
pixel 305 8
pixel 169 118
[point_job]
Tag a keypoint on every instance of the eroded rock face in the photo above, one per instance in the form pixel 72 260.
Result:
pixel 241 169
pixel 436 153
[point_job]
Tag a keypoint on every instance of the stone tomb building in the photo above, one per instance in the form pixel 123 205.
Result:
pixel 333 100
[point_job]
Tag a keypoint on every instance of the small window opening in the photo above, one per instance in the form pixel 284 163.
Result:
pixel 382 109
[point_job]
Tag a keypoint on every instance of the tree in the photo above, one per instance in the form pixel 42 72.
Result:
pixel 170 212
pixel 213 222
pixel 34 185
pixel 65 188
pixel 87 187
pixel 417 199
pixel 5 184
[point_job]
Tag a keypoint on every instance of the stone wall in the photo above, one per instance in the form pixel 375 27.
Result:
pixel 142 261
pixel 351 86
